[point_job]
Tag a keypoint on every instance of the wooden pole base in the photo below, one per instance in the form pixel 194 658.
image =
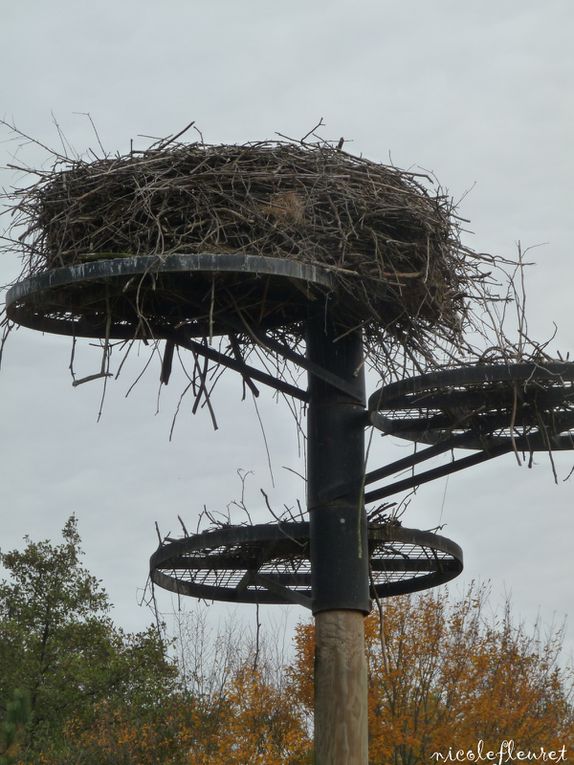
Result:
pixel 341 708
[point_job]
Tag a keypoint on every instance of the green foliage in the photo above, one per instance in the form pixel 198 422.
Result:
pixel 59 647
pixel 13 725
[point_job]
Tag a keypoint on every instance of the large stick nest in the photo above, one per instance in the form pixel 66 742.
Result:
pixel 389 236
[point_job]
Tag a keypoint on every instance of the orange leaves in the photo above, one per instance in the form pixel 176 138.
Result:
pixel 259 724
pixel 252 722
pixel 300 673
pixel 441 674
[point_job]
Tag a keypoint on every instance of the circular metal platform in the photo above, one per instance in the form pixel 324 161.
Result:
pixel 204 293
pixel 480 405
pixel 269 563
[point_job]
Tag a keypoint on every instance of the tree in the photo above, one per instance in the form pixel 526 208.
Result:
pixel 231 708
pixel 442 675
pixel 98 696
pixel 59 647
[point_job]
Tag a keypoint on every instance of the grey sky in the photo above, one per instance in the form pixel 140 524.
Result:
pixel 479 93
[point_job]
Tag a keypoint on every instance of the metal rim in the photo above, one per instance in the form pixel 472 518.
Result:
pixel 269 563
pixel 42 301
pixel 476 374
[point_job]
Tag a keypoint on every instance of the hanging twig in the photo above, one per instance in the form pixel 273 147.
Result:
pixel 257 638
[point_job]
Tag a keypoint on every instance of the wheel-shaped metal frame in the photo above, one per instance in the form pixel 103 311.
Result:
pixel 269 563
pixel 477 401
pixel 492 409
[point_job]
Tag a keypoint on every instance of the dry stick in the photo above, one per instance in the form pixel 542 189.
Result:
pixel 257 637
pixel 243 476
pixel 89 378
pixel 301 513
pixel 187 387
pixel 102 399
pixel 211 307
pixel 14 129
pixel 215 376
pixel 104 367
pixel 289 511
pixel 279 520
pixel 7 328
pixel 544 431
pixel 141 374
pixel 246 379
pixel 264 441
pixel 105 370
pixel 256 339
pixel 186 373
pixel 167 362
pixel 203 390
pixel 130 345
pixel 89 116
pixel 72 355
pixel 166 142
pixel 196 374
pixel 198 131
pixel 247 326
pixel 299 475
pixel 301 435
pixel 521 304
pixel 513 421
pixel 185 532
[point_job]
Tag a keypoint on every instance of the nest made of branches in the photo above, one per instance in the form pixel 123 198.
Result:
pixel 390 237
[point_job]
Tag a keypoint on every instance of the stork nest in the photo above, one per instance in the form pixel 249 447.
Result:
pixel 390 237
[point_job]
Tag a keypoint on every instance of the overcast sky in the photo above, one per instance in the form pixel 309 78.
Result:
pixel 478 93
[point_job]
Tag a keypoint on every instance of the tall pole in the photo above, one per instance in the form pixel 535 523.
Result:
pixel 338 542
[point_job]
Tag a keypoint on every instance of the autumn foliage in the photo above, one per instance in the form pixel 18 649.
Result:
pixel 443 675
pixel 74 689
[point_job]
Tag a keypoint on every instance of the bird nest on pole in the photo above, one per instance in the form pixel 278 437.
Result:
pixel 388 238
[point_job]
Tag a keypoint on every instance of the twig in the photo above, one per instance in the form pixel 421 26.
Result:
pixel 185 532
pixel 279 520
pixel 89 378
pixel 162 145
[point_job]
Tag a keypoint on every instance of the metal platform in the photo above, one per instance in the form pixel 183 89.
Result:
pixel 491 409
pixel 143 297
pixel 270 563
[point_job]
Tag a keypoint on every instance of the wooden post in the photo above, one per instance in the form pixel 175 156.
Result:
pixel 338 543
pixel 341 713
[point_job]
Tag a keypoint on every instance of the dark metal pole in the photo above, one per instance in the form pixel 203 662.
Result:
pixel 338 544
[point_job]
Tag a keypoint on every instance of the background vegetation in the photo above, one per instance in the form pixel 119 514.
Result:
pixel 75 688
